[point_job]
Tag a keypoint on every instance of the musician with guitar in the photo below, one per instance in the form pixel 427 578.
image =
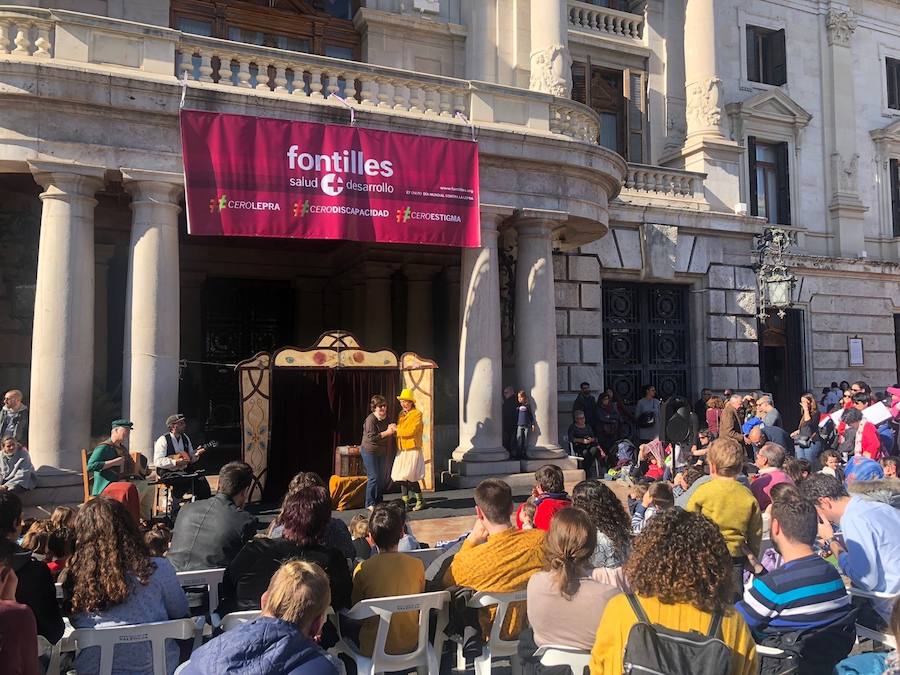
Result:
pixel 114 469
pixel 173 456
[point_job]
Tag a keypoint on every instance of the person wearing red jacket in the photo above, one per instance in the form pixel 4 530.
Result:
pixel 549 494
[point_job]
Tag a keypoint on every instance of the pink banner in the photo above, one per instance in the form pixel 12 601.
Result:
pixel 255 177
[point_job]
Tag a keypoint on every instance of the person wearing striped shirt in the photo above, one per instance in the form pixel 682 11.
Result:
pixel 806 592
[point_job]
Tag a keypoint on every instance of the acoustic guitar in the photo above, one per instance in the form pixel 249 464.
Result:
pixel 185 456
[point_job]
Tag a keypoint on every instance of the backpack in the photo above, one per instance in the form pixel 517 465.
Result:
pixel 655 650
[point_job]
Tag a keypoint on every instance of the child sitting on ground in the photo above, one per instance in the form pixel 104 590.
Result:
pixel 831 464
pixel 730 505
pixel 63 516
pixel 528 511
pixel 636 496
pixel 889 465
pixel 686 478
pixel 387 574
pixel 359 532
pixel 35 540
pixel 60 545
pixel 658 497
pixel 158 539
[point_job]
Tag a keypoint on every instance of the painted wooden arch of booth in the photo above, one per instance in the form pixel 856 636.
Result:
pixel 333 349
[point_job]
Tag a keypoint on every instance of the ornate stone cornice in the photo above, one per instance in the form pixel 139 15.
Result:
pixel 840 24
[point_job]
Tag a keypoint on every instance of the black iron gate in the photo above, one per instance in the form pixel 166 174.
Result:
pixel 646 339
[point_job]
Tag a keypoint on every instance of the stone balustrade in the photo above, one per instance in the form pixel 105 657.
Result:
pixel 605 21
pixel 26 32
pixel 307 76
pixel 653 184
pixel 574 119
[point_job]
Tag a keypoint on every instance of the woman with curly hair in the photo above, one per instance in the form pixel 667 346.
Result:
pixel 112 580
pixel 564 603
pixel 680 573
pixel 305 517
pixel 613 527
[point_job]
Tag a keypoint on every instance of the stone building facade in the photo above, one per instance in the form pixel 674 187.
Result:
pixel 630 153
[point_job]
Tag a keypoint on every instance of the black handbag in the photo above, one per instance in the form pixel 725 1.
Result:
pixel 647 419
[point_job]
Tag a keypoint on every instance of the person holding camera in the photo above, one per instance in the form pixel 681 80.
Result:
pixel 646 411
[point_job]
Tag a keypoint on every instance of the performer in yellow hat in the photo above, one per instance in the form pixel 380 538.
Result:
pixel 409 464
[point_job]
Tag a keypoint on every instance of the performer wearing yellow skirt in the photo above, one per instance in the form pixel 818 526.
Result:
pixel 409 464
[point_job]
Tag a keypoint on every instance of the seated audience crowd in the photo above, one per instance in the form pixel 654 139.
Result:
pixel 738 544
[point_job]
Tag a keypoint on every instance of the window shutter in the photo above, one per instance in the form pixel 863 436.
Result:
pixel 895 199
pixel 578 92
pixel 890 71
pixel 634 110
pixel 784 184
pixel 777 60
pixel 753 73
pixel 751 154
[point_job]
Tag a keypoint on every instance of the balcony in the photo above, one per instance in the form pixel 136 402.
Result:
pixel 74 57
pixel 100 44
pixel 606 23
pixel 661 186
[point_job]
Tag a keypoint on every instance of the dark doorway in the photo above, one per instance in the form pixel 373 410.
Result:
pixel 314 411
pixel 240 318
pixel 781 364
pixel 645 339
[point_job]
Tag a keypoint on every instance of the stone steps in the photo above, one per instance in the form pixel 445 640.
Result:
pixel 518 473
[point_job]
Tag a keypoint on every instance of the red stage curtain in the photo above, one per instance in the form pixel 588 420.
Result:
pixel 313 411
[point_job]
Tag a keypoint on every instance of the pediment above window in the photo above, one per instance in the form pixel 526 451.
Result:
pixel 889 135
pixel 771 108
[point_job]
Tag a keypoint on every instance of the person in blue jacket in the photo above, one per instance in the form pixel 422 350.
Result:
pixel 283 638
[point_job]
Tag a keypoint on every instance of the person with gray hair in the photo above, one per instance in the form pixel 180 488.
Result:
pixel 769 461
pixel 767 412
pixel 730 421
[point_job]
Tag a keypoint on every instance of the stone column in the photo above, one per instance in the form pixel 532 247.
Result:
pixel 103 253
pixel 846 209
pixel 377 327
pixel 481 40
pixel 708 148
pixel 62 346
pixel 152 306
pixel 480 388
pixel 420 309
pixel 551 62
pixel 536 333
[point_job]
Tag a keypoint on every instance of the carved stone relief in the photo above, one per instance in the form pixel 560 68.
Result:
pixel 846 173
pixel 550 69
pixel 703 105
pixel 840 24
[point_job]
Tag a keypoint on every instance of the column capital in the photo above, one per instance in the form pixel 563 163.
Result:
pixel 538 222
pixel 420 271
pixel 157 187
pixel 59 178
pixel 374 269
pixel 840 24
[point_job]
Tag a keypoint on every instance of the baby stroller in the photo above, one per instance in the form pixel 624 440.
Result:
pixel 626 460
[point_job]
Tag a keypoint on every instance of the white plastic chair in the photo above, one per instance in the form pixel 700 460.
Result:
pixel 865 633
pixel 235 619
pixel 155 633
pixel 495 646
pixel 426 555
pixel 562 655
pixel 425 658
pixel 210 578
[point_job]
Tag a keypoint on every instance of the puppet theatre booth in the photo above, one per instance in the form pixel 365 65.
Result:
pixel 300 408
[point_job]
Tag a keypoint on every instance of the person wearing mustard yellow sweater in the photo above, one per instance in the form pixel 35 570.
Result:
pixel 496 557
pixel 680 572
pixel 409 464
pixel 386 574
pixel 730 505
